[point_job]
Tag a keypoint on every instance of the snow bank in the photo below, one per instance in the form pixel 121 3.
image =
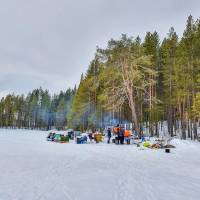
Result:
pixel 34 169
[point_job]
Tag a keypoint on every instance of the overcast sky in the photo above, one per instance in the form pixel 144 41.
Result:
pixel 49 43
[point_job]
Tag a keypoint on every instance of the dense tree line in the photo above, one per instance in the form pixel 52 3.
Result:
pixel 37 110
pixel 143 82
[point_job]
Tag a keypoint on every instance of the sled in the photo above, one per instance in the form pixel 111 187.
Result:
pixel 81 139
pixel 98 137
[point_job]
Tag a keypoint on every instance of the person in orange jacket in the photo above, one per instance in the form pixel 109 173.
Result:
pixel 116 131
pixel 127 133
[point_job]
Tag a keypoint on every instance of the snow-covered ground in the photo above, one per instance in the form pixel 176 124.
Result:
pixel 34 169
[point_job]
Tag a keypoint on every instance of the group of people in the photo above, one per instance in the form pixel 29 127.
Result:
pixel 120 134
pixel 97 137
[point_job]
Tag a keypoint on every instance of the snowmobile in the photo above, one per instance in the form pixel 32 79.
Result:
pixel 61 138
pixel 51 136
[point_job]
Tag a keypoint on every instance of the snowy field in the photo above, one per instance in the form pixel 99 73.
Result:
pixel 34 169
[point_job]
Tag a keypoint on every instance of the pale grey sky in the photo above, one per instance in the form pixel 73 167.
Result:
pixel 49 43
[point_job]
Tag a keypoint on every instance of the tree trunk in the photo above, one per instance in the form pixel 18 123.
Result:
pixel 157 129
pixel 170 122
pixel 133 113
pixel 184 130
pixel 195 129
pixel 134 118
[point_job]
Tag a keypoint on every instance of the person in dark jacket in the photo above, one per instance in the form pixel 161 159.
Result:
pixel 121 135
pixel 109 135
pixel 90 135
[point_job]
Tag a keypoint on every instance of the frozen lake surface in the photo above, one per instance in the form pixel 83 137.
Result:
pixel 34 169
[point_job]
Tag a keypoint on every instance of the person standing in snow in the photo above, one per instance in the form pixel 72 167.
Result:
pixel 109 135
pixel 121 135
pixel 116 131
pixel 90 135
